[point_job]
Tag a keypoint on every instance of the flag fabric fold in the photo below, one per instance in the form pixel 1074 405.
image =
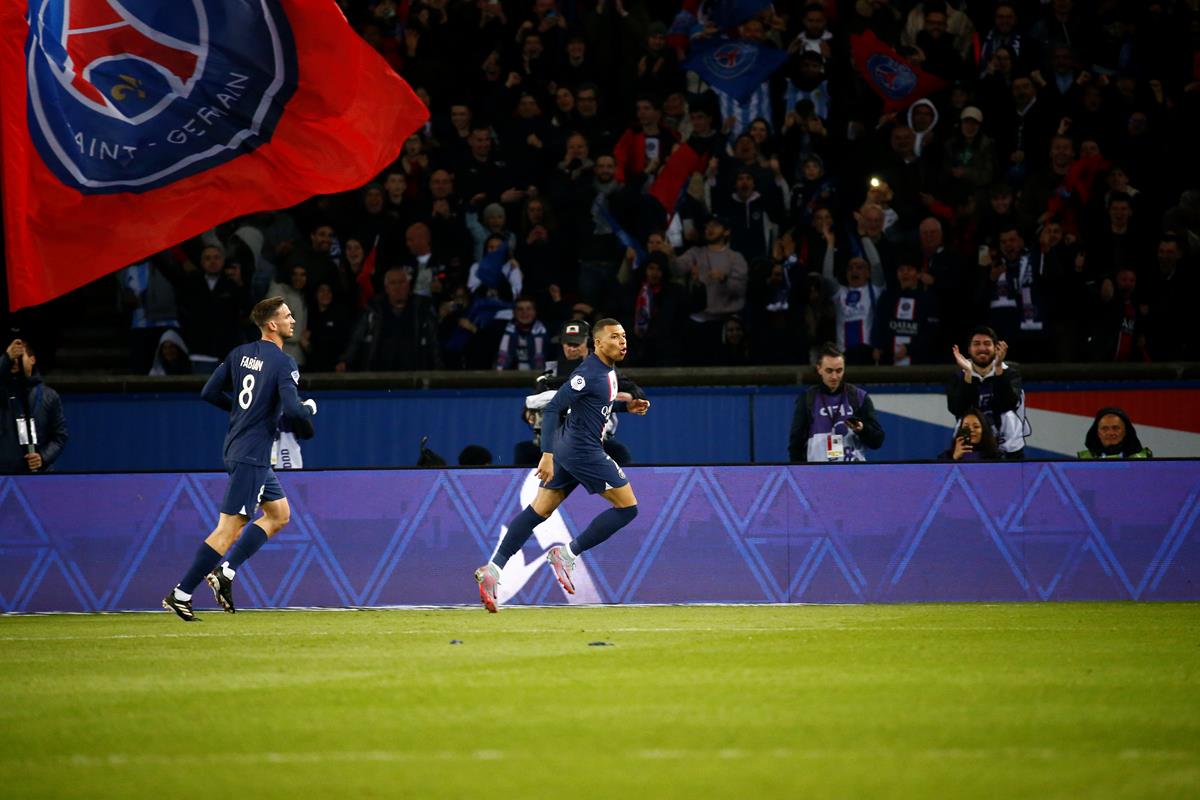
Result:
pixel 127 128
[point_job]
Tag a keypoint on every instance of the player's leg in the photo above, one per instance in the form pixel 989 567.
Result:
pixel 276 513
pixel 520 528
pixel 207 557
pixel 616 489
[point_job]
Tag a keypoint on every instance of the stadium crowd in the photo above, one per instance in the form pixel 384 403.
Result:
pixel 575 168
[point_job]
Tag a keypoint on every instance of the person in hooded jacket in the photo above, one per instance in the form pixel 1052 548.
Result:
pixel 923 119
pixel 31 411
pixel 1112 435
pixel 171 355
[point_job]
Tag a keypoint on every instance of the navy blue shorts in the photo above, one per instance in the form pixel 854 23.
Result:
pixel 248 486
pixel 597 474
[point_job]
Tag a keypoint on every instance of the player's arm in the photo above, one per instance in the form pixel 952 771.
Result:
pixel 214 389
pixel 299 413
pixel 552 416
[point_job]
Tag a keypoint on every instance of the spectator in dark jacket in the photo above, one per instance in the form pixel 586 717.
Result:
pixel 397 331
pixel 27 398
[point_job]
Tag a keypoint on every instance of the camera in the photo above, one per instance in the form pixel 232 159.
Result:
pixel 964 433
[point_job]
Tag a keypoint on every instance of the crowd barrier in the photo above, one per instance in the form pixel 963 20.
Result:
pixel 1030 531
pixel 686 425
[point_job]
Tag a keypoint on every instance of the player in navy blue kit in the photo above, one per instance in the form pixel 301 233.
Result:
pixel 264 381
pixel 573 454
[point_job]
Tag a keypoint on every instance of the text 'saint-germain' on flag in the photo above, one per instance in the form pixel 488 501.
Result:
pixel 128 127
pixel 735 66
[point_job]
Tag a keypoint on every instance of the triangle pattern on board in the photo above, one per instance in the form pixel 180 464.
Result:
pixel 955 552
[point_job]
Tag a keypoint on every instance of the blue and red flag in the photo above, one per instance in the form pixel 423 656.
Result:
pixel 889 75
pixel 128 127
pixel 735 66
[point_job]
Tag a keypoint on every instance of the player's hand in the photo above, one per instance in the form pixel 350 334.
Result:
pixel 545 468
pixel 311 405
pixel 639 407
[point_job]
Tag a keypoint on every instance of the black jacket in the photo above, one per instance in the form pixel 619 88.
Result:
pixel 44 406
pixel 413 344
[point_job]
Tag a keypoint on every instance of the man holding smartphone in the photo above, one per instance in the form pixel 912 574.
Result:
pixel 833 421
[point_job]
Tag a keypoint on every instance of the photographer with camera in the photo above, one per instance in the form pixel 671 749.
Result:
pixel 835 420
pixel 973 441
pixel 33 429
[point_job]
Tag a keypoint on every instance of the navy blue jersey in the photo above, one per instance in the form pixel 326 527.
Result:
pixel 263 380
pixel 588 398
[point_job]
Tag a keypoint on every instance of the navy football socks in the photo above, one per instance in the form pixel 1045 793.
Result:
pixel 519 531
pixel 603 526
pixel 206 558
pixel 252 538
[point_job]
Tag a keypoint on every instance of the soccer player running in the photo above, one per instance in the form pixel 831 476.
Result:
pixel 264 380
pixel 573 454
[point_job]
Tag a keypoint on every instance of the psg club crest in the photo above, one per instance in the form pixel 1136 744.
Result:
pixel 131 95
pixel 731 61
pixel 894 78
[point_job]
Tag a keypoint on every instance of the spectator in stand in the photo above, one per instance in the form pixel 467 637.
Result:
pixel 33 428
pixel 1119 333
pixel 1170 296
pixel 645 146
pixel 600 132
pixel 970 157
pixel 985 381
pixel 880 252
pixel 491 221
pixel 906 321
pixel 973 440
pixel 423 268
pixel 659 313
pixel 1112 435
pixel 952 282
pixel 1023 132
pixel 497 271
pixel 753 217
pixel 329 319
pixel 1118 243
pixel 855 302
pixel 834 420
pixel 482 176
pixel 171 357
pixel 295 293
pixel 1004 35
pixel 398 331
pixel 148 295
pixel 212 307
pixel 956 24
pixel 720 275
pixel 523 346
pixel 1014 292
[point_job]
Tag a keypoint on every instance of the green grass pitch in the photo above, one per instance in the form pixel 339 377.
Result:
pixel 924 701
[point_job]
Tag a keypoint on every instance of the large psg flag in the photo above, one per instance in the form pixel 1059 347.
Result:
pixel 130 125
pixel 889 75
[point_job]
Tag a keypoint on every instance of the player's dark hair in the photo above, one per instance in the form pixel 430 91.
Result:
pixel 600 325
pixel 265 310
pixel 829 350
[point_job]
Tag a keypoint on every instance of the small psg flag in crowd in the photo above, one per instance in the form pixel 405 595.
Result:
pixel 128 127
pixel 735 66
pixel 889 75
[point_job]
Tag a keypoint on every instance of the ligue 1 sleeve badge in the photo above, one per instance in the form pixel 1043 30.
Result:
pixel 132 95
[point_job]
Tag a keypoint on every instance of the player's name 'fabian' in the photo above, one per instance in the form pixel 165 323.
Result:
pixel 255 364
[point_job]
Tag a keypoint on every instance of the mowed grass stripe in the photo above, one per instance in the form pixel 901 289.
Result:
pixel 1064 700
